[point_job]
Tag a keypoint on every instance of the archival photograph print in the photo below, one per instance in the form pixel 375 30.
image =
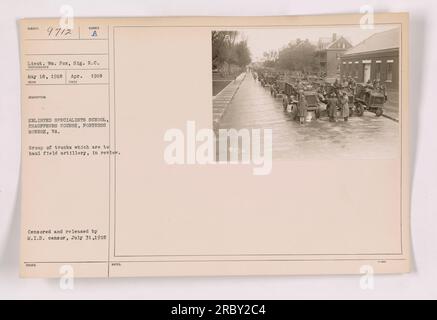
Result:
pixel 324 92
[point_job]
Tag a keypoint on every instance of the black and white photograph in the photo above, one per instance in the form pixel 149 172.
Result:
pixel 218 158
pixel 328 92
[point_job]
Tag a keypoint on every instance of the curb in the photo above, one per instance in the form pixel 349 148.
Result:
pixel 390 117
pixel 222 100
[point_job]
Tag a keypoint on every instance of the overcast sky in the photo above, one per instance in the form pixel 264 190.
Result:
pixel 266 39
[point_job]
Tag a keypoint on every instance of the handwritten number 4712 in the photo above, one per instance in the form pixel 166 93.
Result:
pixel 57 32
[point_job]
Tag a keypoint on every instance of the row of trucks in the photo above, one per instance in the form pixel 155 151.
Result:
pixel 316 90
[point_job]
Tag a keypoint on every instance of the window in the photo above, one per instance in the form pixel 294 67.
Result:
pixel 378 71
pixel 389 71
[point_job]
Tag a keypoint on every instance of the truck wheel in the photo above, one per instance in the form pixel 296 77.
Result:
pixel 359 109
pixel 379 112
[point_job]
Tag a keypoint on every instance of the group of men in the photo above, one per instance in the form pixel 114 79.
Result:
pixel 335 96
pixel 336 100
pixel 349 83
pixel 338 96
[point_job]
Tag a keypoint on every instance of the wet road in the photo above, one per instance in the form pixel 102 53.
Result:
pixel 366 137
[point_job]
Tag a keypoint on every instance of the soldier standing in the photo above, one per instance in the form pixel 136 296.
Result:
pixel 344 103
pixel 302 108
pixel 384 92
pixel 332 104
pixel 352 83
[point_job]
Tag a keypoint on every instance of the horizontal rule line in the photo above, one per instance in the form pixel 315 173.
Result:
pixel 66 54
pixel 204 260
pixel 100 39
pixel 48 69
pixel 260 255
pixel 57 262
pixel 67 84
pixel 260 260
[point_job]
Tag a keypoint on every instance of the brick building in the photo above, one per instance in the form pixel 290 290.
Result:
pixel 377 57
pixel 329 52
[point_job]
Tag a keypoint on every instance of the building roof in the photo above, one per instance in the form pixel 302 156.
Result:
pixel 333 44
pixel 385 40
